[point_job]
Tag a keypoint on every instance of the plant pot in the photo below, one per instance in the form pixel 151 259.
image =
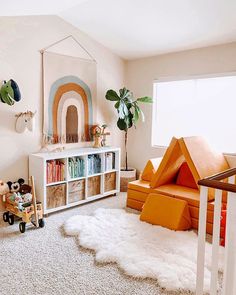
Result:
pixel 126 177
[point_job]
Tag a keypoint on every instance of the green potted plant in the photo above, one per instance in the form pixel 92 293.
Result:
pixel 129 112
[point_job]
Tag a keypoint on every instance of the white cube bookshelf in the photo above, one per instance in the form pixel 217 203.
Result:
pixel 68 191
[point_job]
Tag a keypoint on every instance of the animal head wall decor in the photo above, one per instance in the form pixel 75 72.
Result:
pixel 25 121
pixel 9 92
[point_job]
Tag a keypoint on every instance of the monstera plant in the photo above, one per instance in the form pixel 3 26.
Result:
pixel 9 92
pixel 129 112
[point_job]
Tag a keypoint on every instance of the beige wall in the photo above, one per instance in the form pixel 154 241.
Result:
pixel 141 73
pixel 21 40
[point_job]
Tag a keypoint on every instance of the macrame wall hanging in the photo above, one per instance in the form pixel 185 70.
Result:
pixel 69 92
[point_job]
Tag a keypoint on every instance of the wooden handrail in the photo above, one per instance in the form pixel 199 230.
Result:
pixel 214 181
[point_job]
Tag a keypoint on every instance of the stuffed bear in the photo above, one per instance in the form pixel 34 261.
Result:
pixel 4 189
pixel 25 189
pixel 15 186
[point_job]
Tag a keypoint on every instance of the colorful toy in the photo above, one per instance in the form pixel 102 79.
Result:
pixel 99 135
pixel 10 92
pixel 22 203
pixel 16 185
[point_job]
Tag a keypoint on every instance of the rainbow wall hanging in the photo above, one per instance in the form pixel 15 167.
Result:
pixel 69 85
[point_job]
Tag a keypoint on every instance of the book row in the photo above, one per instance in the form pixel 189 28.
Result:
pixel 55 171
pixel 76 167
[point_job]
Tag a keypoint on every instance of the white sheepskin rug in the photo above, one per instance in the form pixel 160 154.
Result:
pixel 141 249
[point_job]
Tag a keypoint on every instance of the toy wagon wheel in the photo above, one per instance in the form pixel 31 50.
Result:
pixel 22 227
pixel 5 216
pixel 41 223
pixel 11 219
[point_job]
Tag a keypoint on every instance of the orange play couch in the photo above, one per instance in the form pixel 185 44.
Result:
pixel 186 161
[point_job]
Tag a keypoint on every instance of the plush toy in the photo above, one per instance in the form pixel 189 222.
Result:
pixel 25 189
pixel 4 189
pixel 25 121
pixel 10 92
pixel 27 198
pixel 15 186
pixel 20 193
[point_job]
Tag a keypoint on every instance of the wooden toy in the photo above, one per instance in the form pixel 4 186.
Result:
pixel 99 135
pixel 96 131
pixel 31 212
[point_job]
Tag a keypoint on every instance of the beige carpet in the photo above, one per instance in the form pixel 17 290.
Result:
pixel 45 261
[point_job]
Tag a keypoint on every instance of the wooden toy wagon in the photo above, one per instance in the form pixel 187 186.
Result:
pixel 28 212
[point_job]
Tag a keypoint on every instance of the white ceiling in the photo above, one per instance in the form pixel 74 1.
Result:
pixel 139 28
pixel 35 7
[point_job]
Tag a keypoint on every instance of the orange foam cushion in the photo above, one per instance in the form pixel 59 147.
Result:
pixel 134 204
pixel 209 226
pixel 140 185
pixel 150 169
pixel 185 177
pixel 137 195
pixel 190 195
pixel 167 212
pixel 194 212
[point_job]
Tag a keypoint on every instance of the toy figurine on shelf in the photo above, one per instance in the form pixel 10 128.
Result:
pixel 96 132
pixel 99 135
pixel 104 135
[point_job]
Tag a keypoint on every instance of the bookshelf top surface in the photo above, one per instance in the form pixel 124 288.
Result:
pixel 74 152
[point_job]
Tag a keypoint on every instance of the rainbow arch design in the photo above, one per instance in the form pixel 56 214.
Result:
pixel 74 90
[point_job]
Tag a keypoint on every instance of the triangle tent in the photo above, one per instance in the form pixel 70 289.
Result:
pixel 201 160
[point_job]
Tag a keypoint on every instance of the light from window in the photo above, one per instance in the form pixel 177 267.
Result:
pixel 205 107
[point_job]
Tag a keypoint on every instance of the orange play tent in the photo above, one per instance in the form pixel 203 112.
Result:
pixel 185 162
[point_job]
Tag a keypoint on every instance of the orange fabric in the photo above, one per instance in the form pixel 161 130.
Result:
pixel 194 212
pixel 202 161
pixel 167 212
pixel 150 169
pixel 169 166
pixel 185 177
pixel 201 157
pixel 209 227
pixel 134 204
pixel 140 185
pixel 136 195
pixel 180 192
pixel 139 189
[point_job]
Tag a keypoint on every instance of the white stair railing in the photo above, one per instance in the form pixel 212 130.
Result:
pixel 229 270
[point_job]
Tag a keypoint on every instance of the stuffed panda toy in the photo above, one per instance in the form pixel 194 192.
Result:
pixel 15 187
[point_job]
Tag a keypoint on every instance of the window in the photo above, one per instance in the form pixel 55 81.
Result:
pixel 203 106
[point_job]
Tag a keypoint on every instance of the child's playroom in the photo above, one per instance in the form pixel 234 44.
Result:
pixel 118 149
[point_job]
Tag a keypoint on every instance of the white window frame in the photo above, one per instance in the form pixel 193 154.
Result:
pixel 180 78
